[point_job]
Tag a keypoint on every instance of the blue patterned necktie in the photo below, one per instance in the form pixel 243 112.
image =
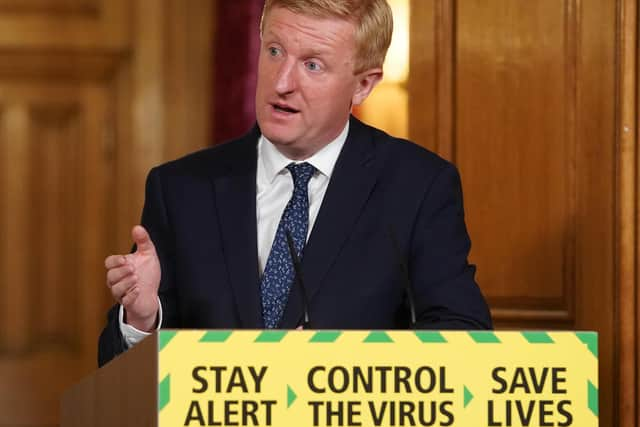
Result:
pixel 278 272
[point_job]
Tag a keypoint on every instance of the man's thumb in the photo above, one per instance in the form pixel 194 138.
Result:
pixel 141 238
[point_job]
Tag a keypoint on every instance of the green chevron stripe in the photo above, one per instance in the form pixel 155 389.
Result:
pixel 270 336
pixel 164 337
pixel 430 336
pixel 591 340
pixel 325 336
pixel 164 392
pixel 215 336
pixel 291 396
pixel 468 396
pixel 592 392
pixel 484 337
pixel 378 337
pixel 537 337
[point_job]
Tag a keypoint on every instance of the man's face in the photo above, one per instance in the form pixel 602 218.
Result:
pixel 306 84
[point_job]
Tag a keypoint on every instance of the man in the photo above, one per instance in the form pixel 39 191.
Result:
pixel 373 218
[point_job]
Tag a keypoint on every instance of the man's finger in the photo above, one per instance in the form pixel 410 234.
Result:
pixel 142 239
pixel 120 289
pixel 115 275
pixel 113 261
pixel 130 297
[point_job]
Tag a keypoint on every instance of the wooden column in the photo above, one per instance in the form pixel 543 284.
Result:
pixel 627 226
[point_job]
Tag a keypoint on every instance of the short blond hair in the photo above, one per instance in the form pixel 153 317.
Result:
pixel 372 18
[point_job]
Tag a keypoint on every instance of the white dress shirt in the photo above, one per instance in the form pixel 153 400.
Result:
pixel 274 187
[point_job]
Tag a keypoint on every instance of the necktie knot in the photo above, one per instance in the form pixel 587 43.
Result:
pixel 302 173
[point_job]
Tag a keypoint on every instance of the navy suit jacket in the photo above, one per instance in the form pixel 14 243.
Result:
pixel 201 214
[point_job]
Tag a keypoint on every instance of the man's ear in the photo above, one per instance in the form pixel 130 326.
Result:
pixel 367 80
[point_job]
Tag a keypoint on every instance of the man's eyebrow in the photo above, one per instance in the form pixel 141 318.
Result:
pixel 319 52
pixel 269 34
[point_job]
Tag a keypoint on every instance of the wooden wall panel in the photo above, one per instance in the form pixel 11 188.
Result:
pixel 55 193
pixel 87 107
pixel 48 6
pixel 522 97
pixel 597 286
pixel 67 24
pixel 508 121
pixel 430 75
pixel 54 236
pixel 16 270
pixel 511 121
pixel 164 98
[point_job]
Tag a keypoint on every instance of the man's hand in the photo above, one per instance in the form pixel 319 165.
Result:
pixel 134 280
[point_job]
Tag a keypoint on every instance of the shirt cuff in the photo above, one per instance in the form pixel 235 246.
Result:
pixel 131 335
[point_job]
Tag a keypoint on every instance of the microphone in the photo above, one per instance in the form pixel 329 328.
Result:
pixel 297 268
pixel 405 275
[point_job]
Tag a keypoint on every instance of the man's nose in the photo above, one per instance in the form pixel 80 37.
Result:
pixel 286 78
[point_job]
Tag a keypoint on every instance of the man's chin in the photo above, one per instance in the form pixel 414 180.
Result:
pixel 285 146
pixel 279 136
pixel 289 146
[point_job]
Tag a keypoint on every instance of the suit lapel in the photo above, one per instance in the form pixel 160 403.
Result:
pixel 352 181
pixel 235 193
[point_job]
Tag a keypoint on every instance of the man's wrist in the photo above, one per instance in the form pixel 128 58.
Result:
pixel 144 324
pixel 132 335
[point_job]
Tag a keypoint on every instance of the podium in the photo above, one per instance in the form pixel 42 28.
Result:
pixel 344 378
pixel 121 393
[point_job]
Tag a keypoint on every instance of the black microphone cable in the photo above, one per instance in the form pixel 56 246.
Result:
pixel 405 275
pixel 306 323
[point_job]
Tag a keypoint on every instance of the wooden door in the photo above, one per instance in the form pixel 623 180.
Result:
pixel 523 96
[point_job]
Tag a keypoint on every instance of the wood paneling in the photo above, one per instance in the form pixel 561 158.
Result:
pixel 596 192
pixel 431 75
pixel 500 81
pixel 87 106
pixel 163 98
pixel 67 25
pixel 49 6
pixel 55 177
pixel 55 143
pixel 16 269
pixel 506 107
pixel 628 214
pixel 189 60
pixel 522 97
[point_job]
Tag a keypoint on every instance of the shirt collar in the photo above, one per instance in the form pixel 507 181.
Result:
pixel 274 162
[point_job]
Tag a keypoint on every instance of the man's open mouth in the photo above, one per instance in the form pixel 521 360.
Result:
pixel 284 108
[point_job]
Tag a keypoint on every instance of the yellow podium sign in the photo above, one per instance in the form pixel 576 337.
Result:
pixel 377 378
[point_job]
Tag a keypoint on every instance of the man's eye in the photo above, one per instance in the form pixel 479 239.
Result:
pixel 312 66
pixel 274 51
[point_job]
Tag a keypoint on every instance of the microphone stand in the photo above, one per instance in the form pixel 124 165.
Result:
pixel 306 324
